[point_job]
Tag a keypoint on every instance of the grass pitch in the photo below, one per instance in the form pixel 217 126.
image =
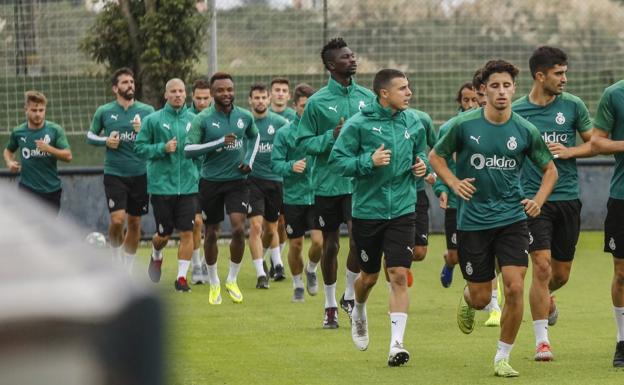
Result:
pixel 269 340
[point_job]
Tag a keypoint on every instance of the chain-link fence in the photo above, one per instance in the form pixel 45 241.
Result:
pixel 439 43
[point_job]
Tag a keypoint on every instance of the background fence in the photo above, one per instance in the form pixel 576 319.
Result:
pixel 438 43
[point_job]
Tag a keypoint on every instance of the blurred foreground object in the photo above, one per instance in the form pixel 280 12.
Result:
pixel 67 317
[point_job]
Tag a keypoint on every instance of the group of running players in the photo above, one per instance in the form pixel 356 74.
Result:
pixel 346 154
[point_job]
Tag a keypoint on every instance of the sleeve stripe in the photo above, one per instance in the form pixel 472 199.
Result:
pixel 95 137
pixel 255 151
pixel 204 146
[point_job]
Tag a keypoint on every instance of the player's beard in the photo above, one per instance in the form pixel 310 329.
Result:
pixel 222 105
pixel 259 111
pixel 127 94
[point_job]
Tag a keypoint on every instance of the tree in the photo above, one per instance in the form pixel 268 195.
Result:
pixel 158 39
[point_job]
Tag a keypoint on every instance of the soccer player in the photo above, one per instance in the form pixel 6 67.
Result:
pixel 115 125
pixel 40 144
pixel 172 179
pixel 382 147
pixel 467 100
pixel 318 129
pixel 199 270
pixel 218 133
pixel 265 188
pixel 291 162
pixel 608 138
pixel 553 234
pixel 491 144
pixel 280 96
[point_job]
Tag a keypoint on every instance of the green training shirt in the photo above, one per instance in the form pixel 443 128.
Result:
pixel 493 154
pixel 207 136
pixel 39 170
pixel 610 118
pixel 288 114
pixel 315 131
pixel 167 173
pixel 298 187
pixel 430 141
pixel 110 117
pixel 559 121
pixel 385 192
pixel 267 129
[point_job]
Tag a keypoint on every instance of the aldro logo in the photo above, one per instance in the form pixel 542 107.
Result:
pixel 554 137
pixel 479 161
pixel 128 136
pixel 265 147
pixel 237 145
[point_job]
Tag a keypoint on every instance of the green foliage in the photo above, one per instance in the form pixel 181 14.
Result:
pixel 159 40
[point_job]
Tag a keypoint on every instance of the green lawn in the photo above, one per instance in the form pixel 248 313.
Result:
pixel 269 340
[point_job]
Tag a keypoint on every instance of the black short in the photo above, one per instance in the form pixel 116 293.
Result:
pixel 614 228
pixel 127 193
pixel 52 199
pixel 479 250
pixel 265 198
pixel 422 219
pixel 450 228
pixel 214 195
pixel 174 211
pixel 393 238
pixel 198 209
pixel 332 211
pixel 557 229
pixel 299 219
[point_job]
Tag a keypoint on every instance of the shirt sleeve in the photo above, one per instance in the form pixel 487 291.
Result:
pixel 253 142
pixel 279 162
pixel 308 136
pixel 194 145
pixel 12 144
pixel 144 145
pixel 345 157
pixel 583 123
pixel 93 135
pixel 61 139
pixel 538 151
pixel 605 119
pixel 447 145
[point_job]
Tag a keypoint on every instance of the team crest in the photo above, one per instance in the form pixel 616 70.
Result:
pixel 560 119
pixel 364 256
pixel 161 229
pixel 530 239
pixel 240 124
pixel 270 130
pixel 361 105
pixel 289 229
pixel 511 143
pixel 111 203
pixel 454 238
pixel 612 244
pixel 188 126
pixel 469 269
pixel 321 221
pixel 204 216
pixel 46 139
pixel 406 135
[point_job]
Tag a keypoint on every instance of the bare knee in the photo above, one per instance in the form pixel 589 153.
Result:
pixel 479 299
pixel 514 291
pixel 419 254
pixel 238 233
pixel 542 270
pixel 369 280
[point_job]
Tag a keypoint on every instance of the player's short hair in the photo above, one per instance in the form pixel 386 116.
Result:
pixel 303 90
pixel 258 87
pixel 477 79
pixel 498 66
pixel 220 76
pixel 331 46
pixel 35 97
pixel 201 83
pixel 467 85
pixel 545 58
pixel 117 74
pixel 280 81
pixel 384 77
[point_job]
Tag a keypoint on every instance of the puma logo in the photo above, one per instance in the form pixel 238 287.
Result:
pixel 378 129
pixel 216 124
pixel 411 249
pixel 114 117
pixel 166 126
pixel 334 108
pixel 23 139
pixel 475 139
